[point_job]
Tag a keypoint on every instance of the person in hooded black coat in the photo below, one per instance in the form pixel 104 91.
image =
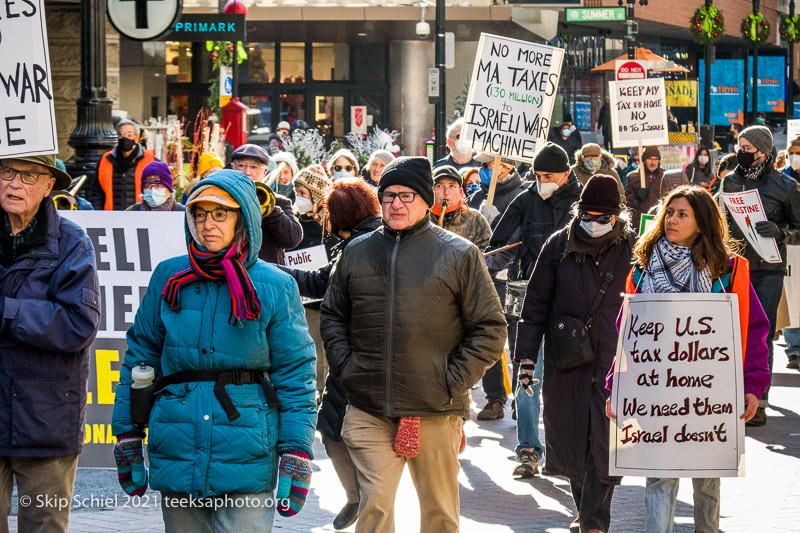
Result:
pixel 566 280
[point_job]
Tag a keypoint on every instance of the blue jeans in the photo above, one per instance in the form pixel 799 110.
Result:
pixel 660 495
pixel 528 410
pixel 792 336
pixel 768 286
pixel 234 513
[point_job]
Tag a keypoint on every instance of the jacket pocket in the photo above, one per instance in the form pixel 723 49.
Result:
pixel 41 413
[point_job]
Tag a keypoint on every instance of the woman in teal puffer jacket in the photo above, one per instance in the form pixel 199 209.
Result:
pixel 227 337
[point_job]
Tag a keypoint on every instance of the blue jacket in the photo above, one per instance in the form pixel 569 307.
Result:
pixel 49 315
pixel 193 447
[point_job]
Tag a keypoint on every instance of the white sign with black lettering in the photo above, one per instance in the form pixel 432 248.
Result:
pixel 678 387
pixel 308 258
pixel 638 112
pixel 511 97
pixel 27 117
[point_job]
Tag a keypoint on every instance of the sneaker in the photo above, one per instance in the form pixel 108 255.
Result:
pixel 527 463
pixel 492 411
pixel 513 409
pixel 794 362
pixel 759 419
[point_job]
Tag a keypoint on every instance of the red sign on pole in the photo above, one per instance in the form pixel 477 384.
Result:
pixel 358 119
pixel 630 70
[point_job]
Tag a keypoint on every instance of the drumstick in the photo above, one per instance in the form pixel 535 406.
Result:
pixel 503 249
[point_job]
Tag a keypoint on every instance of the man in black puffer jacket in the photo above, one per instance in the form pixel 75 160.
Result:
pixel 780 197
pixel 410 321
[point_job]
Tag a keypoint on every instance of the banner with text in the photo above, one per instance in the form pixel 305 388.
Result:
pixel 511 96
pixel 681 93
pixel 747 210
pixel 127 246
pixel 28 120
pixel 678 387
pixel 638 112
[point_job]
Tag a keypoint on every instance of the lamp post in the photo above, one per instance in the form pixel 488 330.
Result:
pixel 754 112
pixel 440 108
pixel 631 29
pixel 709 53
pixel 94 130
pixel 789 107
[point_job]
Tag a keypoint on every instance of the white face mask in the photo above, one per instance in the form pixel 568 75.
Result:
pixel 702 159
pixel 546 190
pixel 794 161
pixel 595 229
pixel 303 205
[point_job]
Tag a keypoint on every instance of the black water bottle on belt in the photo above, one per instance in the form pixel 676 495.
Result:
pixel 142 394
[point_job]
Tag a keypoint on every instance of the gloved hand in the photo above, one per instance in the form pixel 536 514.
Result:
pixel 641 194
pixel 488 211
pixel 131 472
pixel 525 376
pixel 294 477
pixel 768 229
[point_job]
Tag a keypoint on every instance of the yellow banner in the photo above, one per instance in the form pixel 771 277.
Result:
pixel 681 93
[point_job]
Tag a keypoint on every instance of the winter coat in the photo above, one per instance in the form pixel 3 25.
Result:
pixel 411 321
pixel 448 161
pixel 607 166
pixel 659 184
pixel 193 447
pixel 574 399
pixel 110 187
pixel 280 231
pixel 144 206
pixel 49 315
pixel 531 219
pixel 314 283
pixel 470 224
pixel 504 192
pixel 780 196
pixel 312 232
pixel 695 174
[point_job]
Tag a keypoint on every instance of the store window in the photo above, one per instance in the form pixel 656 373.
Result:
pixel 259 113
pixel 330 61
pixel 178 105
pixel 329 115
pixel 293 107
pixel 260 64
pixel 179 61
pixel 293 62
pixel 369 62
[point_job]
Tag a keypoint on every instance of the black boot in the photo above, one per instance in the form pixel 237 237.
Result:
pixel 346 517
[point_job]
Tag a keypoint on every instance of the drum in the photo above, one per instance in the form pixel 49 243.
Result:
pixel 515 295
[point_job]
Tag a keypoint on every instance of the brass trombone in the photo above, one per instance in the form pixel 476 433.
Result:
pixel 266 198
pixel 65 200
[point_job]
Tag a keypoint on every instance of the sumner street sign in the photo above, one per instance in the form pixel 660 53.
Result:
pixel 595 14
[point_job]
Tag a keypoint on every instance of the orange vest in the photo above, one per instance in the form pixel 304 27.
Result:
pixel 739 282
pixel 105 173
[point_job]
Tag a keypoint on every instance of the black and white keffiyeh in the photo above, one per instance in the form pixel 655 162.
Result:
pixel 671 269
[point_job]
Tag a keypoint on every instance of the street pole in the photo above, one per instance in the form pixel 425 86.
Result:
pixel 94 130
pixel 709 58
pixel 754 113
pixel 789 107
pixel 440 108
pixel 631 29
pixel 235 67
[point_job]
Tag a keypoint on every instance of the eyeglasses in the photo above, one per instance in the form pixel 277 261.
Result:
pixel 636 160
pixel 602 219
pixel 405 197
pixel 219 214
pixel 748 149
pixel 243 167
pixel 128 135
pixel 25 176
pixel 347 168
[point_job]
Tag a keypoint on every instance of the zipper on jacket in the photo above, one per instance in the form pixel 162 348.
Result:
pixel 390 325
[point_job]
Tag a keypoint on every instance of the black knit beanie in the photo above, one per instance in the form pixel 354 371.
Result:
pixel 551 158
pixel 413 172
pixel 651 151
pixel 601 195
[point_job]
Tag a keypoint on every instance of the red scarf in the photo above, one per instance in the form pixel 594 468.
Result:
pixel 461 205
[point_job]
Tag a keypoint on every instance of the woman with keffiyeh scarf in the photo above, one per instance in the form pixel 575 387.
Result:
pixel 688 250
pixel 234 411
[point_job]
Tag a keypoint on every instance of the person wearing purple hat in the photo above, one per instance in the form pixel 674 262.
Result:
pixel 580 273
pixel 157 190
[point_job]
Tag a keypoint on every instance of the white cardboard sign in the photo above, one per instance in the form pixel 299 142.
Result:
pixel 678 387
pixel 746 210
pixel 638 112
pixel 511 97
pixel 27 117
pixel 308 258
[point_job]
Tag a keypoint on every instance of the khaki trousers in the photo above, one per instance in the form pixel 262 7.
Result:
pixel 44 491
pixel 434 470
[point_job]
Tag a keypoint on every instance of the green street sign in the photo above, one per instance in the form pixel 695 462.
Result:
pixel 595 14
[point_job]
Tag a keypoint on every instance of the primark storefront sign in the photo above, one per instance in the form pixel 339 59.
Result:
pixel 209 28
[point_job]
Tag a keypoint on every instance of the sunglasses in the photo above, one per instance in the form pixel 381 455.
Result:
pixel 601 219
pixel 346 168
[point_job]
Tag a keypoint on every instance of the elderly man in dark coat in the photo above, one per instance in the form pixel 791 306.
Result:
pixel 580 274
pixel 49 314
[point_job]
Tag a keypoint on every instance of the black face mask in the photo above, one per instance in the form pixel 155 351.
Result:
pixel 745 159
pixel 125 144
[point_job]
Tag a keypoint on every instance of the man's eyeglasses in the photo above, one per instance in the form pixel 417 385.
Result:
pixel 27 177
pixel 219 214
pixel 128 135
pixel 405 197
pixel 346 168
pixel 244 167
pixel 601 219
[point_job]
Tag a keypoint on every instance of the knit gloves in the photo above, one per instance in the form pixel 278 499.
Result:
pixel 525 377
pixel 294 477
pixel 131 472
pixel 406 441
pixel 768 229
pixel 641 194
